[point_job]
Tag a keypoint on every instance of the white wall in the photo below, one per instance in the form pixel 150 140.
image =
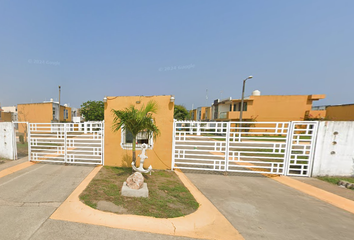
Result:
pixel 10 109
pixel 8 148
pixel 334 151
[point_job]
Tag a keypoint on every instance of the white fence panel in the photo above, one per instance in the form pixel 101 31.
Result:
pixel 284 148
pixel 80 143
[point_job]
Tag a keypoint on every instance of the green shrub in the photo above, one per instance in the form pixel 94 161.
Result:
pixel 22 139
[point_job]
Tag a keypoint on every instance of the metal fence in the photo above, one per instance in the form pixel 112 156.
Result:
pixel 80 143
pixel 284 148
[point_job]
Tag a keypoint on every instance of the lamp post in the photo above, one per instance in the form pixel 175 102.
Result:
pixel 243 96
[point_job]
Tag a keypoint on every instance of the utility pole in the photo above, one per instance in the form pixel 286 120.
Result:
pixel 243 96
pixel 59 104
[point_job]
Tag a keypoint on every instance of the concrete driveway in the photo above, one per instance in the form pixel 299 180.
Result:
pixel 29 197
pixel 261 208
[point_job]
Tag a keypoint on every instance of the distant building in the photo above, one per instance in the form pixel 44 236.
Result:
pixel 266 108
pixel 46 112
pixel 344 112
pixel 9 114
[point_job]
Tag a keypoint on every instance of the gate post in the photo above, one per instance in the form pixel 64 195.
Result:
pixel 65 144
pixel 288 147
pixel 29 140
pixel 102 142
pixel 313 147
pixel 227 146
pixel 173 144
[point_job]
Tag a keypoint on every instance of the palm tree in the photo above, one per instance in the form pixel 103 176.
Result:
pixel 136 121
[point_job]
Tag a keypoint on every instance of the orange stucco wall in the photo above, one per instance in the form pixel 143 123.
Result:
pixel 61 114
pixel 6 116
pixel 161 155
pixel 34 113
pixel 207 113
pixel 316 114
pixel 340 113
pixel 193 114
pixel 276 108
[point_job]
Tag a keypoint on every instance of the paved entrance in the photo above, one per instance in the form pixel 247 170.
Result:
pixel 30 196
pixel 261 208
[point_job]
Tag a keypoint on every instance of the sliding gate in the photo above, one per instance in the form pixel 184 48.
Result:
pixel 80 143
pixel 284 148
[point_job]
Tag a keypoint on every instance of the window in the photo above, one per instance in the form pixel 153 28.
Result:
pixel 66 114
pixel 237 107
pixel 54 118
pixel 244 106
pixel 142 137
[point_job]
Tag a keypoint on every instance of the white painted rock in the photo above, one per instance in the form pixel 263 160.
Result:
pixel 135 181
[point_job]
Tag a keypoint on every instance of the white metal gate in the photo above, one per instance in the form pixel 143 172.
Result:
pixel 80 143
pixel 284 148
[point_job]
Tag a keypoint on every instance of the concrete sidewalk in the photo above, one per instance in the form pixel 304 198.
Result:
pixel 261 208
pixel 329 187
pixel 12 163
pixel 29 197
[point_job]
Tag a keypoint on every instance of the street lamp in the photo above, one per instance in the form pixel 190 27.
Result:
pixel 243 96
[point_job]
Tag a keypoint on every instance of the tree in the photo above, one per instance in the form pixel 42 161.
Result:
pixel 136 121
pixel 180 113
pixel 93 110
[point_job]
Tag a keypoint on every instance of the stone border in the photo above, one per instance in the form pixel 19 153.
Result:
pixel 205 223
pixel 346 184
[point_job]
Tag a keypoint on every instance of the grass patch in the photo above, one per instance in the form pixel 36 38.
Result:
pixel 168 197
pixel 335 180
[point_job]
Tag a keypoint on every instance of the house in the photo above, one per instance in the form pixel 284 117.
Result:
pixel 118 145
pixel 201 114
pixel 9 114
pixel 265 108
pixel 45 112
pixel 193 114
pixel 343 112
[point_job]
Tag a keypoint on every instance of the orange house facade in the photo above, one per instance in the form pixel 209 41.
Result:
pixel 118 149
pixel 200 114
pixel 266 108
pixel 47 112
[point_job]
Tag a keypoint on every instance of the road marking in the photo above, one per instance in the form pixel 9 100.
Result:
pixel 15 168
pixel 12 179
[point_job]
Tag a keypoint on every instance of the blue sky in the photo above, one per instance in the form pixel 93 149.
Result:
pixel 123 48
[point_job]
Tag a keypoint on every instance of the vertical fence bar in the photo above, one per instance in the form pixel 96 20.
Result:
pixel 173 144
pixel 102 141
pixel 65 144
pixel 312 148
pixel 227 147
pixel 288 146
pixel 29 140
